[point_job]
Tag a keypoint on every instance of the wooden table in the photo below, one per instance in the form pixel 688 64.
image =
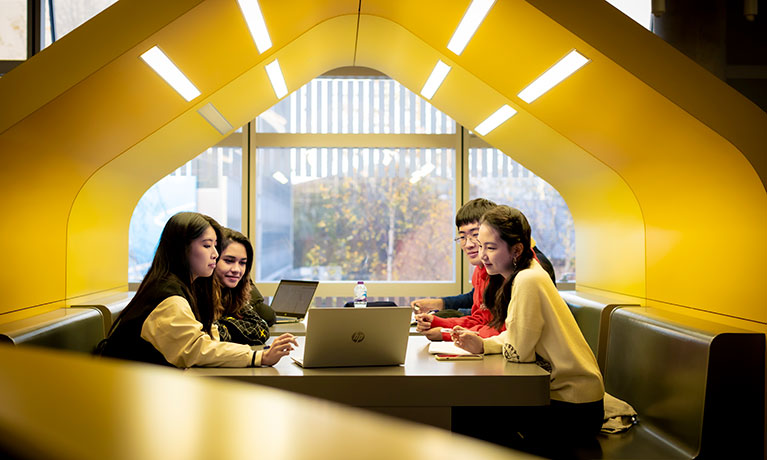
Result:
pixel 423 389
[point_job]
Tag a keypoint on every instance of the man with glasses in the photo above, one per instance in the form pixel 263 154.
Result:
pixel 477 318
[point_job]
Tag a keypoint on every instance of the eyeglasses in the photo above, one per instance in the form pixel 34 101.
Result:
pixel 462 240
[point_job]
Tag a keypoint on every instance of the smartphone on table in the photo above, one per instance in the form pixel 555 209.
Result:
pixel 447 357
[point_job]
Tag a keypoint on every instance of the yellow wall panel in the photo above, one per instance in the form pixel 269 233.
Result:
pixel 74 57
pixel 100 217
pixel 609 224
pixel 653 156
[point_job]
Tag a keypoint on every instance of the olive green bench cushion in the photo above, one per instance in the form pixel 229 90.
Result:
pixel 697 386
pixel 76 329
pixel 592 313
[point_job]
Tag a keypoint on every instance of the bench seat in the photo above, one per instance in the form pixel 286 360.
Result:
pixel 592 313
pixel 697 386
pixel 110 305
pixel 76 329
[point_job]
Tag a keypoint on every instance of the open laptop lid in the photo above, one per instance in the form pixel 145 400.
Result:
pixel 342 337
pixel 293 297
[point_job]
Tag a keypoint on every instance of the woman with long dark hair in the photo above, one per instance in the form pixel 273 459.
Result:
pixel 539 329
pixel 244 317
pixel 170 319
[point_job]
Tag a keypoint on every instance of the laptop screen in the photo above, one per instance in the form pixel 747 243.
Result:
pixel 293 297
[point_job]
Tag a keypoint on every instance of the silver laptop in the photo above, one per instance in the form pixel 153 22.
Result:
pixel 292 299
pixel 343 337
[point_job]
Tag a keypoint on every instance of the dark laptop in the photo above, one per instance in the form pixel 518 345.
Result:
pixel 292 299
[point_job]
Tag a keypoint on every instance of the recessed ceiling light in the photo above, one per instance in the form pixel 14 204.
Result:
pixel 161 64
pixel 436 78
pixel 256 24
pixel 214 117
pixel 552 77
pixel 469 25
pixel 495 120
pixel 275 77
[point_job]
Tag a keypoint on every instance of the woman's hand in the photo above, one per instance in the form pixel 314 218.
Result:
pixel 434 334
pixel 423 322
pixel 468 340
pixel 281 346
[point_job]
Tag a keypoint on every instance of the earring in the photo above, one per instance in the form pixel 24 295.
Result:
pixel 513 263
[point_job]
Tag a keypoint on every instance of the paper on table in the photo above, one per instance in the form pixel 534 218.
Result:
pixel 447 348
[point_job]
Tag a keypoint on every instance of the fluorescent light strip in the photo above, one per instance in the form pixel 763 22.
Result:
pixel 422 172
pixel 554 76
pixel 469 25
pixel 436 78
pixel 214 117
pixel 275 77
pixel 161 64
pixel 495 120
pixel 256 24
pixel 279 177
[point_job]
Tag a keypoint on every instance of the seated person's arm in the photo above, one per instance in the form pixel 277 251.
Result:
pixel 174 331
pixel 258 304
pixel 426 305
pixel 459 301
pixel 455 302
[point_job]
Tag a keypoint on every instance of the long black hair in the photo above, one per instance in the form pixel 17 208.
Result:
pixel 233 299
pixel 513 228
pixel 171 266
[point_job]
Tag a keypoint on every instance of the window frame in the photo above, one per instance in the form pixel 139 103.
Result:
pixel 255 140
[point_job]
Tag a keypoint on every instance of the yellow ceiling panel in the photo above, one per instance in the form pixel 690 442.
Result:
pixel 88 124
pixel 81 53
pixel 102 210
pixel 607 208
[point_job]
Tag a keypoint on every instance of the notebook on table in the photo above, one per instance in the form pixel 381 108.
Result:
pixel 344 337
pixel 292 299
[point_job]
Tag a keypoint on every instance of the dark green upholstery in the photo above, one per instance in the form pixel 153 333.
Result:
pixel 76 329
pixel 697 386
pixel 110 306
pixel 592 313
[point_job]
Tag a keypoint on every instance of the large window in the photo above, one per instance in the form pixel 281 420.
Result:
pixel 210 184
pixel 375 203
pixel 13 30
pixel 354 106
pixel 50 20
pixel 353 178
pixel 69 14
pixel 497 177
pixel 346 214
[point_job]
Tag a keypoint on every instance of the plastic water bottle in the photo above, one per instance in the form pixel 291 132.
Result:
pixel 360 295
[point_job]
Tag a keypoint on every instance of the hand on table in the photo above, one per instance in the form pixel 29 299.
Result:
pixel 468 340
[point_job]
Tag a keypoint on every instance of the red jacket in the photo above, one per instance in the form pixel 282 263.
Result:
pixel 480 316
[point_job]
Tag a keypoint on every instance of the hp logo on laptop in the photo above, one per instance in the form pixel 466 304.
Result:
pixel 358 337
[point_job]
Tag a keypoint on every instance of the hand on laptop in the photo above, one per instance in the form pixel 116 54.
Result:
pixel 468 340
pixel 281 346
pixel 427 305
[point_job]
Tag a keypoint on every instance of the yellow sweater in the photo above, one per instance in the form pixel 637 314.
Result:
pixel 173 330
pixel 540 323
